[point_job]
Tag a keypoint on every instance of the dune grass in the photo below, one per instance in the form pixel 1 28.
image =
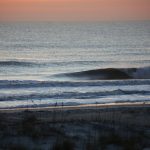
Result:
pixel 95 129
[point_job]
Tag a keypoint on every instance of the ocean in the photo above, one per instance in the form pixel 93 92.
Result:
pixel 44 64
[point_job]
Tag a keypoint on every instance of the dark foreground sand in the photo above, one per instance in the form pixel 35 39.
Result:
pixel 85 127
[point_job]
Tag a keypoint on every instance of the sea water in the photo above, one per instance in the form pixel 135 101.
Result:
pixel 33 56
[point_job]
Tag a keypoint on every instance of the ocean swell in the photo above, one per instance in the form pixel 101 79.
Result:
pixel 17 63
pixel 12 84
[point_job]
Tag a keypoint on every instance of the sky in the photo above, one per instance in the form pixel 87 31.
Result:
pixel 74 10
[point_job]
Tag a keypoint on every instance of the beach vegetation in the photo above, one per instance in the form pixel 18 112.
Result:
pixel 66 144
pixel 13 146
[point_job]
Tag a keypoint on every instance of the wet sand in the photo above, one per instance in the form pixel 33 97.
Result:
pixel 80 107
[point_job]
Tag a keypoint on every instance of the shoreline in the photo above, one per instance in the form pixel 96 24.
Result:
pixel 78 107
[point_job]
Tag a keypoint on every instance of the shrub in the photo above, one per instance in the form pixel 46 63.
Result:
pixel 29 126
pixel 14 147
pixel 65 145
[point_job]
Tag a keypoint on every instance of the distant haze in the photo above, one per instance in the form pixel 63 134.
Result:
pixel 70 10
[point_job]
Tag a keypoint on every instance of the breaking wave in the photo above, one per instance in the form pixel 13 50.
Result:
pixel 110 74
pixel 71 95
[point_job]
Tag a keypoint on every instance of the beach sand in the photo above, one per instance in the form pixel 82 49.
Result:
pixel 77 126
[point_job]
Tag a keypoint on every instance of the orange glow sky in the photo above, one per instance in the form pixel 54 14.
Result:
pixel 62 10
